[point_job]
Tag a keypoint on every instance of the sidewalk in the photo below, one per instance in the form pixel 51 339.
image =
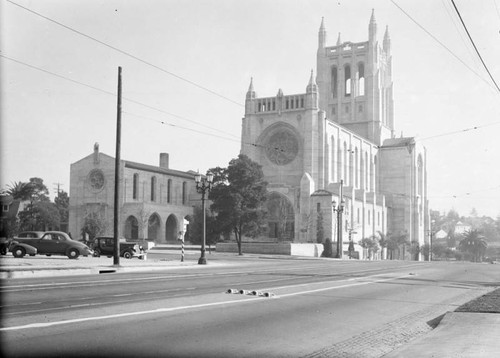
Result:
pixel 42 266
pixel 471 331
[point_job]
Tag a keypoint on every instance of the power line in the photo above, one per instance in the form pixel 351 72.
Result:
pixel 111 94
pixel 127 54
pixel 475 47
pixel 442 44
pixel 460 131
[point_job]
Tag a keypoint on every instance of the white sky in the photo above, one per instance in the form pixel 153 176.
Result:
pixel 47 122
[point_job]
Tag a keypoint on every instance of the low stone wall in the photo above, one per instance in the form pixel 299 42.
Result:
pixel 270 248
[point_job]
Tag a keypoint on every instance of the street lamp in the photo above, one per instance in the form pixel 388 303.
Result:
pixel 203 186
pixel 339 210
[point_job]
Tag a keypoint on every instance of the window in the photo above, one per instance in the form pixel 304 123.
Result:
pixel 357 216
pixel 169 190
pixel 361 79
pixel 318 207
pixel 334 110
pixel 334 81
pixel 5 208
pixel 135 186
pixel 184 193
pixel 347 80
pixel 360 108
pixel 369 221
pixel 153 189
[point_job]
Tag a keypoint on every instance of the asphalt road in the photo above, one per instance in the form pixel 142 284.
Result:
pixel 357 306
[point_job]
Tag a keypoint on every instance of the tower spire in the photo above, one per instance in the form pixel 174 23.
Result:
pixel 322 35
pixel 387 41
pixel 251 92
pixel 312 86
pixel 372 28
pixel 339 41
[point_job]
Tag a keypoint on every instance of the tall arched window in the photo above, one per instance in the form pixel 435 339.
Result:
pixel 361 79
pixel 334 81
pixel 420 179
pixel 347 80
pixel 184 193
pixel 356 168
pixel 367 175
pixel 169 191
pixel 135 186
pixel 153 189
pixel 344 174
pixel 332 160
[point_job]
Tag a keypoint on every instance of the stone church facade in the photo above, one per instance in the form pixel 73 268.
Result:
pixel 154 200
pixel 339 137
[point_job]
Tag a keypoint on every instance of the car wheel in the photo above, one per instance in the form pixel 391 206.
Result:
pixel 127 255
pixel 73 253
pixel 19 251
pixel 97 253
pixel 48 255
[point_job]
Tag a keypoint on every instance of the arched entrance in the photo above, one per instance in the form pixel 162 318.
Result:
pixel 171 229
pixel 131 228
pixel 154 228
pixel 281 219
pixel 187 236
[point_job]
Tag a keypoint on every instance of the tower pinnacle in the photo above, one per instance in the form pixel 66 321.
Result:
pixel 387 40
pixel 372 28
pixel 339 41
pixel 251 92
pixel 322 35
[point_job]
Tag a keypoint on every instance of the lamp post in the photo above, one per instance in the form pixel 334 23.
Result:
pixel 339 210
pixel 203 186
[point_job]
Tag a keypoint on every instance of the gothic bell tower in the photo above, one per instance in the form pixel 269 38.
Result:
pixel 355 83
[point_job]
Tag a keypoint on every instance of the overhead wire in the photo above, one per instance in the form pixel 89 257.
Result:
pixel 112 94
pixel 442 44
pixel 474 45
pixel 126 53
pixel 237 138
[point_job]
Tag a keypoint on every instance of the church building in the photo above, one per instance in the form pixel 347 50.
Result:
pixel 154 200
pixel 336 143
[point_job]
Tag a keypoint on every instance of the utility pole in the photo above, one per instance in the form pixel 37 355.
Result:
pixel 116 256
pixel 58 187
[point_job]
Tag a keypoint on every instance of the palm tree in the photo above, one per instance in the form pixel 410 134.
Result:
pixel 474 244
pixel 20 190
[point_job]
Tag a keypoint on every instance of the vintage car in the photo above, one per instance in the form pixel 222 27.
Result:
pixel 31 234
pixel 104 245
pixel 55 243
pixel 20 249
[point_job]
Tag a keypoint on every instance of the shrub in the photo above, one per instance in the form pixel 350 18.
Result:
pixel 327 248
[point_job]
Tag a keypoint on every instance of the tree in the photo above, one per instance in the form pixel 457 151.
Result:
pixel 36 215
pixel 370 244
pixel 474 245
pixel 19 191
pixel 196 227
pixel 320 231
pixel 327 248
pixel 238 198
pixel 94 225
pixel 62 204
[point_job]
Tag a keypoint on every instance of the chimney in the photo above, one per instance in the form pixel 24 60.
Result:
pixel 164 160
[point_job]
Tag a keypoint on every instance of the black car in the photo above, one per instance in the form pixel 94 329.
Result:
pixel 105 245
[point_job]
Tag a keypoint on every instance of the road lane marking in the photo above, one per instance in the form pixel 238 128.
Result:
pixel 45 286
pixel 190 307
